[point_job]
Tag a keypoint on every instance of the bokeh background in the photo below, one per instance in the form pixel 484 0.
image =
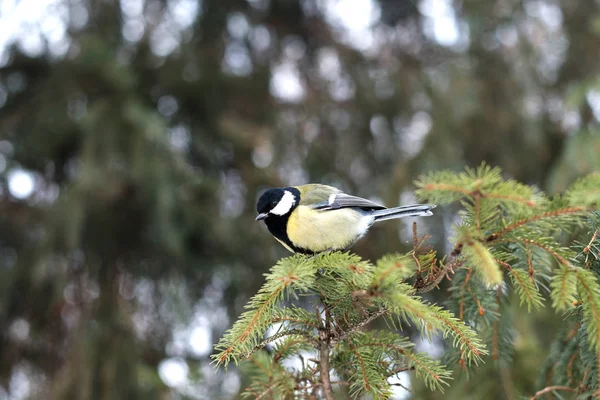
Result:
pixel 136 134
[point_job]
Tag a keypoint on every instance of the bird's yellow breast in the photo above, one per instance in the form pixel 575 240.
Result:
pixel 324 230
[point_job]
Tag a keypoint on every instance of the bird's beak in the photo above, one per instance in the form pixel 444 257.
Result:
pixel 261 216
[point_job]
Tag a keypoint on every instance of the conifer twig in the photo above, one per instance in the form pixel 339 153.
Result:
pixel 549 389
pixel 362 366
pixel 324 335
pixel 402 386
pixel 589 246
pixel 353 328
pixel 548 214
pixel 432 282
pixel 279 335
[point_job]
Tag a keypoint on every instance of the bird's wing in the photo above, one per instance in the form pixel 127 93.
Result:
pixel 343 200
pixel 314 195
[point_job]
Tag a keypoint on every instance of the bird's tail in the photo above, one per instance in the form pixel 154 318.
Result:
pixel 415 210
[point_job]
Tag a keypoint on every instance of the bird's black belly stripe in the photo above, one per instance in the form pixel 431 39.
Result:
pixel 277 227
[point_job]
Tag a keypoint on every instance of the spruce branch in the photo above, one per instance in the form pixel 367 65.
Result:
pixel 549 389
pixel 323 347
pixel 479 257
pixel 507 234
pixel 549 248
pixel 587 248
pixel 585 191
pixel 526 290
pixel 553 214
pixel 434 279
pixel 590 293
pixel 464 338
pixel 484 183
pixel 363 369
pixel 306 337
pixel 370 317
pixel 431 371
pixel 564 288
pixel 293 273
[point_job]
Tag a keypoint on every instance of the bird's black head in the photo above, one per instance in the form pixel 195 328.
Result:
pixel 277 202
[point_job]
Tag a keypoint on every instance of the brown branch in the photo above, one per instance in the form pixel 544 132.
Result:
pixel 402 368
pixel 362 366
pixel 464 340
pixel 589 246
pixel 324 337
pixel 402 386
pixel 353 328
pixel 516 276
pixel 549 389
pixel 416 236
pixel 268 390
pixel 434 280
pixel 504 264
pixel 570 365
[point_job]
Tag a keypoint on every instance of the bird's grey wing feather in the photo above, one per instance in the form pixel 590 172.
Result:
pixel 343 200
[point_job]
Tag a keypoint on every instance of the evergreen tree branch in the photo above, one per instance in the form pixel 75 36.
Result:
pixel 443 187
pixel 433 280
pixel 434 374
pixel 323 347
pixel 564 288
pixel 506 231
pixel 480 258
pixel 363 369
pixel 587 248
pixel 526 289
pixel 371 316
pixel 549 389
pixel 402 368
pixel 548 214
pixel 290 273
pixel 585 191
pixel 245 334
pixel 291 332
pixel 542 246
pixel 525 200
pixel 471 347
pixel 590 291
pixel 294 321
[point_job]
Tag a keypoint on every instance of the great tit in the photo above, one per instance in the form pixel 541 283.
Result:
pixel 314 218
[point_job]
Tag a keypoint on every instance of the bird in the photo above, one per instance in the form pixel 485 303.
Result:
pixel 315 218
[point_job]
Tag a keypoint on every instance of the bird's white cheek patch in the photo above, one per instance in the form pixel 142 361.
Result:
pixel 285 204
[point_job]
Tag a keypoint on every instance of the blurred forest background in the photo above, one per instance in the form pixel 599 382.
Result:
pixel 135 136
